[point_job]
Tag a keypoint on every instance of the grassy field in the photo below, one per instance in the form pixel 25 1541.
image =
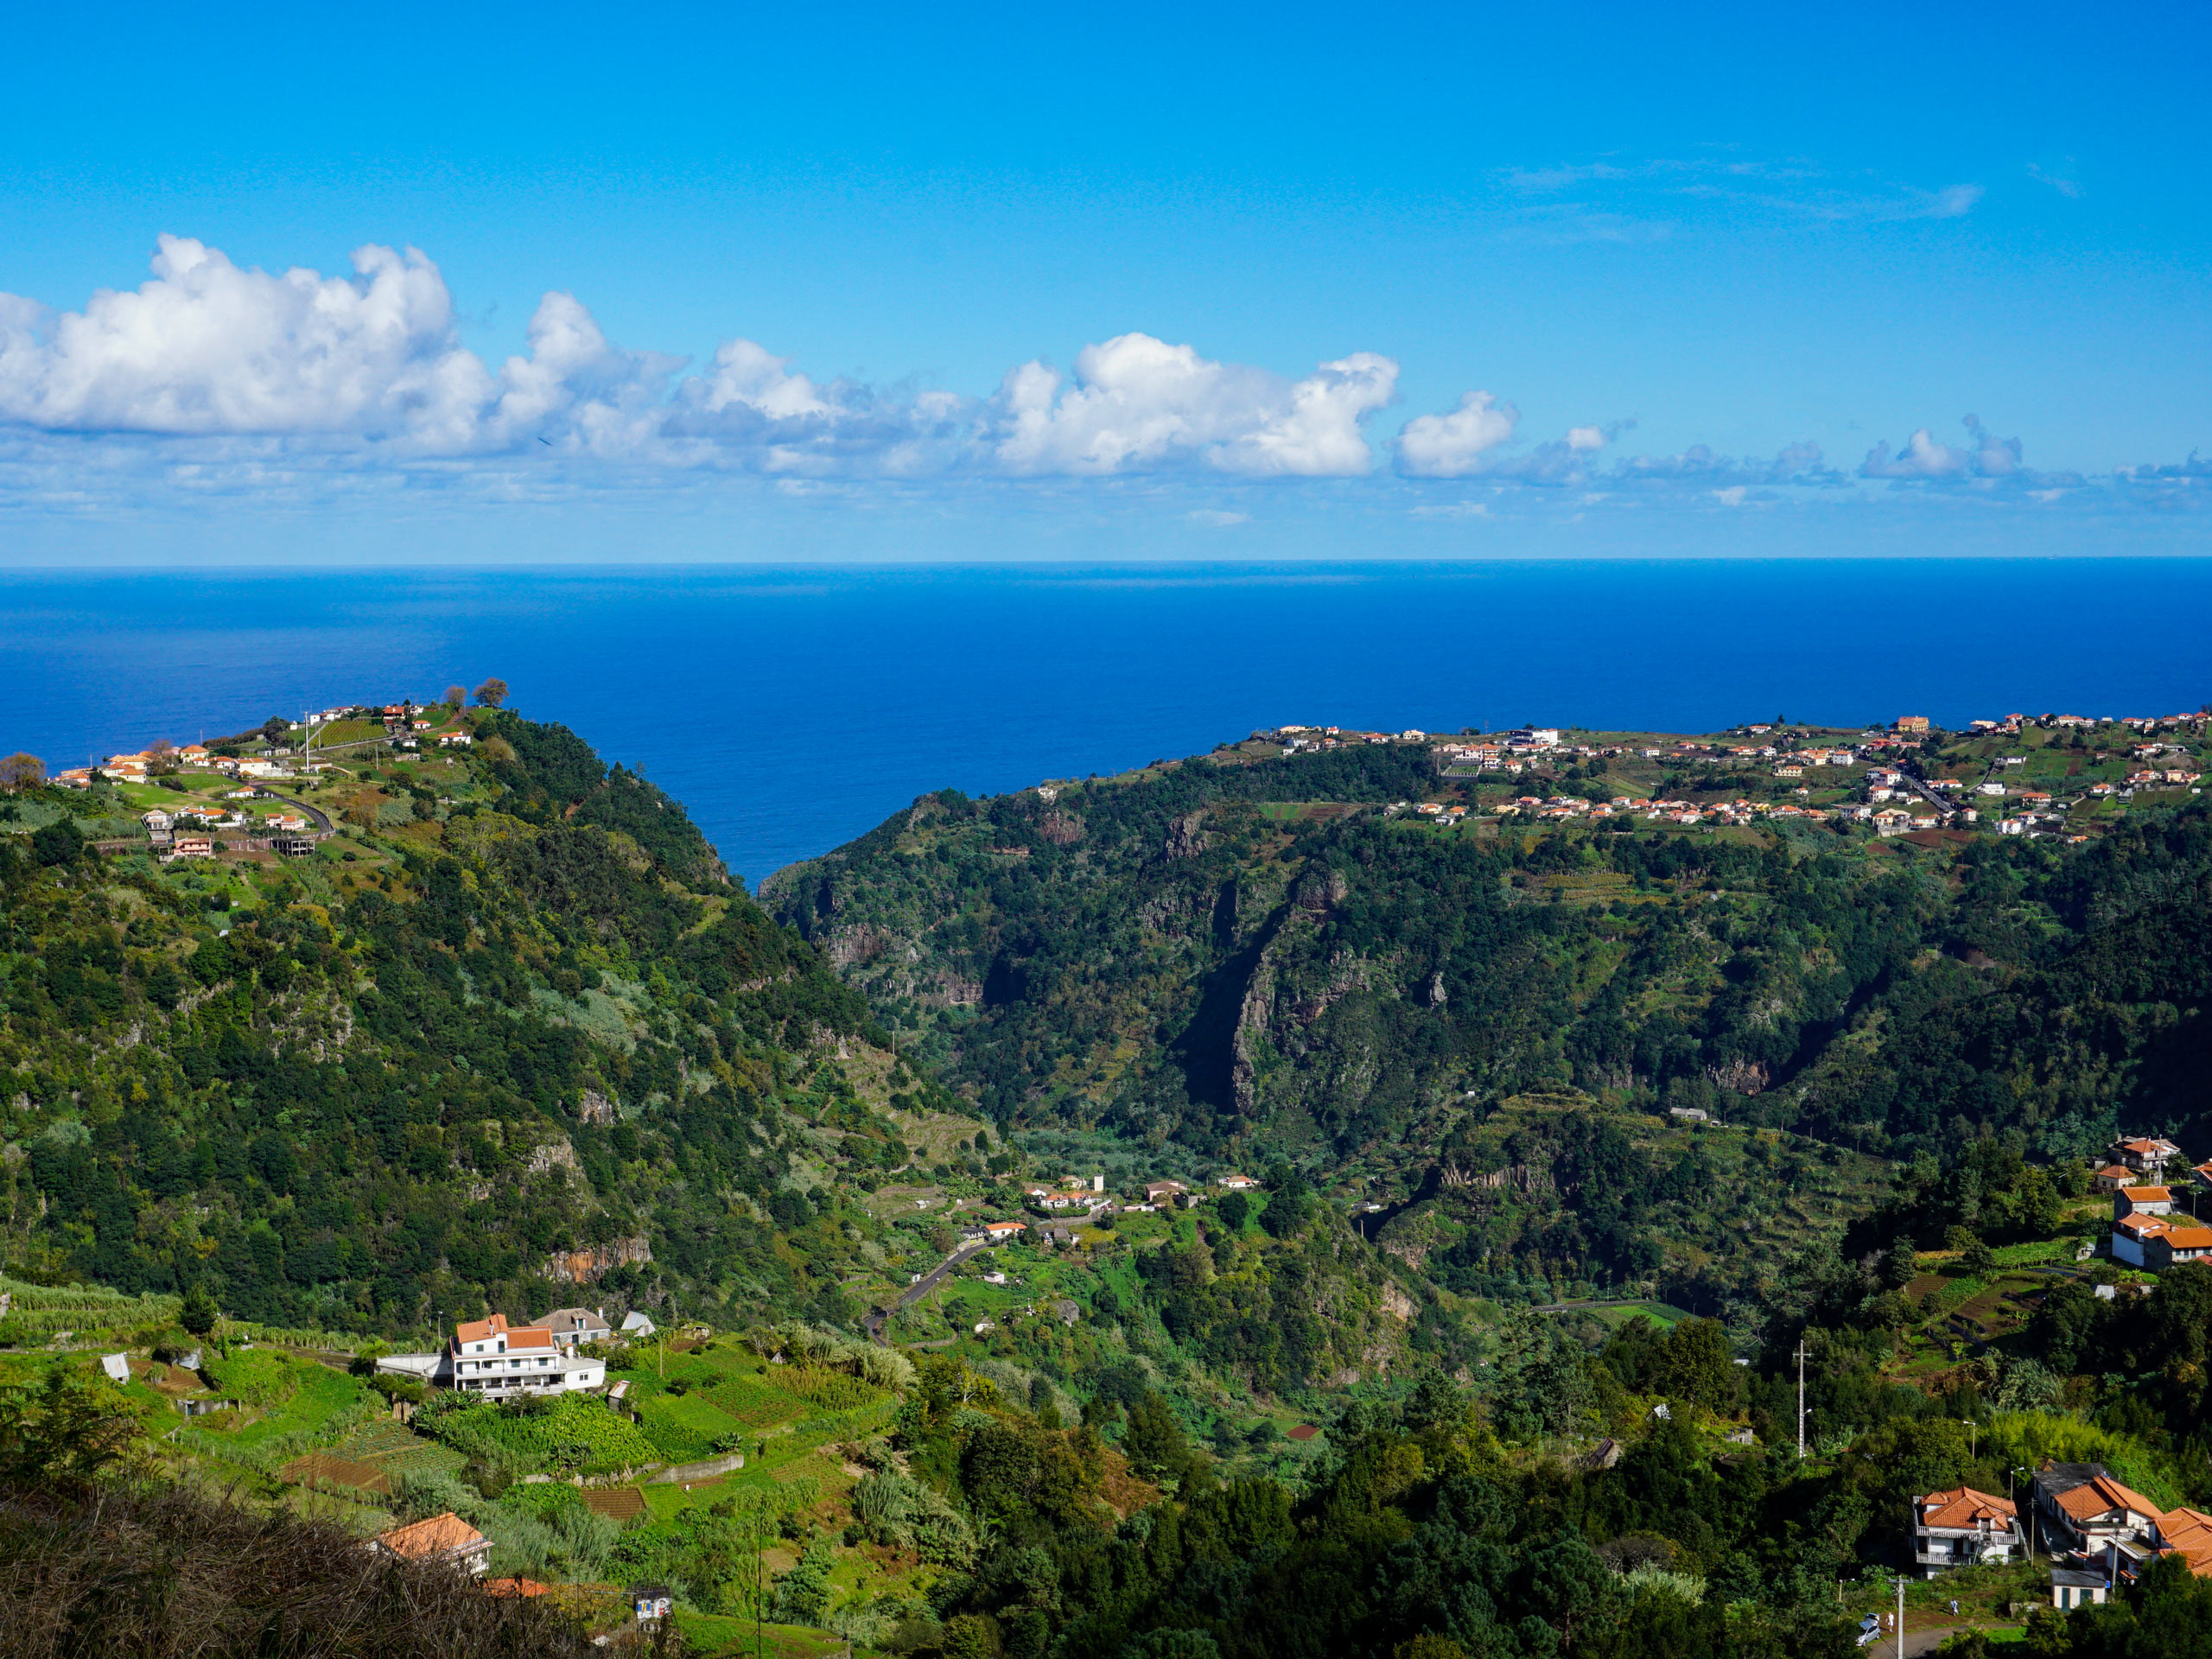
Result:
pixel 712 1634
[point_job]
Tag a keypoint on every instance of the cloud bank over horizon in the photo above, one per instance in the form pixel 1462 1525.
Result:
pixel 214 377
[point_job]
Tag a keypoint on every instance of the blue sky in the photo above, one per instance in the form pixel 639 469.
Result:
pixel 982 283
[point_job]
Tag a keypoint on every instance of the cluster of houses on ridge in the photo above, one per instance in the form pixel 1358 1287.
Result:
pixel 2146 1230
pixel 402 722
pixel 1090 1199
pixel 2099 1533
pixel 1895 801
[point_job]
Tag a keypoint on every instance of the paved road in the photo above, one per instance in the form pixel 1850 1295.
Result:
pixel 929 1280
pixel 320 818
pixel 922 1287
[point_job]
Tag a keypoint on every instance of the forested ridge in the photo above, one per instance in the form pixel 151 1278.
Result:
pixel 359 1100
pixel 1170 957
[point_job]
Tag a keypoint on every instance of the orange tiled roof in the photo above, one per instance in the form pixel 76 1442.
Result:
pixel 480 1329
pixel 442 1534
pixel 1962 1506
pixel 2151 1194
pixel 2145 1226
pixel 2186 1528
pixel 2101 1496
pixel 2120 1170
pixel 2188 1238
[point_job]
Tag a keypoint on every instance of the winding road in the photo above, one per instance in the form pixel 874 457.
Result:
pixel 320 818
pixel 922 1287
pixel 875 1322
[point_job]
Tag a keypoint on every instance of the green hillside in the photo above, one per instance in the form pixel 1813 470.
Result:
pixel 1563 1130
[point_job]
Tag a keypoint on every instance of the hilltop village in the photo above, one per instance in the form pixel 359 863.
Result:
pixel 2050 774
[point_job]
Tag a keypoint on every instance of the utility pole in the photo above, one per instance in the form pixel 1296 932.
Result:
pixel 1802 1396
pixel 1900 1615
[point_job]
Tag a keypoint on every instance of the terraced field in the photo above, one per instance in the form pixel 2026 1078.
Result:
pixel 397 1450
pixel 686 1425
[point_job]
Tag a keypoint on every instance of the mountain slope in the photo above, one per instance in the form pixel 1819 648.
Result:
pixel 531 1036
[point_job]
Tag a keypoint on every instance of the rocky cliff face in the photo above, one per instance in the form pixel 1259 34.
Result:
pixel 584 1267
pixel 1186 835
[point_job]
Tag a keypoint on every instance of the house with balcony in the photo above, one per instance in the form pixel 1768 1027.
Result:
pixel 500 1361
pixel 2085 1511
pixel 2144 1153
pixel 1964 1527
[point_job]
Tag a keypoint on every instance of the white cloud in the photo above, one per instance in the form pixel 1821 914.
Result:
pixel 1138 403
pixel 1926 456
pixel 212 382
pixel 207 347
pixel 1951 201
pixel 2061 179
pixel 374 362
pixel 1453 445
pixel 1623 199
pixel 1461 444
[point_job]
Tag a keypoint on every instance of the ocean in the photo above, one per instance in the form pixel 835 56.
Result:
pixel 791 709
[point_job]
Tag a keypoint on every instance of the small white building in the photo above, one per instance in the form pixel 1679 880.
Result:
pixel 635 1324
pixel 572 1326
pixel 2074 1587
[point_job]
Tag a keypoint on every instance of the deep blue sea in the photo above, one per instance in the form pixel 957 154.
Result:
pixel 793 708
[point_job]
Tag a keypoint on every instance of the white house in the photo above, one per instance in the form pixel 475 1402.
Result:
pixel 2131 1234
pixel 2145 1152
pixel 1962 1527
pixel 635 1324
pixel 2087 1509
pixel 491 1358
